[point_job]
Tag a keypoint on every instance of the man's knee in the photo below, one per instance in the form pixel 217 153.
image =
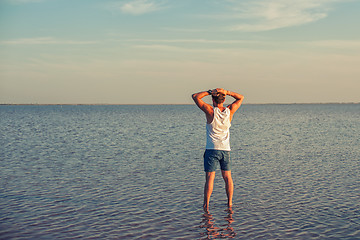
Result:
pixel 210 176
pixel 226 175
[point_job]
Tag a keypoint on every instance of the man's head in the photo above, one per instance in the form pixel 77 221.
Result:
pixel 218 98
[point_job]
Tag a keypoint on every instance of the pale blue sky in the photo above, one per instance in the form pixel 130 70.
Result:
pixel 161 51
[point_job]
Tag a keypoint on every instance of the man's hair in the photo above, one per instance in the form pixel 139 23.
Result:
pixel 219 98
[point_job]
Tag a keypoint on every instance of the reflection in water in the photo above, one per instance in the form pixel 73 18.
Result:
pixel 212 231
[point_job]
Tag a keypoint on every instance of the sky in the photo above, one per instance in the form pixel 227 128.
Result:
pixel 162 51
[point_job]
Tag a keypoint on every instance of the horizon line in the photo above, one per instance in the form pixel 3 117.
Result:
pixel 149 104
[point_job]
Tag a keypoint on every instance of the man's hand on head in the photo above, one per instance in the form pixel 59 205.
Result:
pixel 219 91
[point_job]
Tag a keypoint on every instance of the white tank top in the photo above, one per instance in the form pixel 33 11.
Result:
pixel 217 132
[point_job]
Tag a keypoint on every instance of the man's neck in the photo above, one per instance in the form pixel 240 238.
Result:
pixel 218 105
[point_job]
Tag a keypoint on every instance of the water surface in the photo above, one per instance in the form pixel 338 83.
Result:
pixel 135 172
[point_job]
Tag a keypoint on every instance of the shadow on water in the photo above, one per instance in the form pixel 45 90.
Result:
pixel 217 231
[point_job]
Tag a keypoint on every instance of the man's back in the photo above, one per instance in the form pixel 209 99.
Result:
pixel 217 132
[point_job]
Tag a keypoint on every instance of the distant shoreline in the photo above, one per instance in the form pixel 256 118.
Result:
pixel 158 104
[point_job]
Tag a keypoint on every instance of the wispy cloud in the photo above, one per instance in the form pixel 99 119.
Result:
pixel 161 47
pixel 232 46
pixel 23 1
pixel 42 41
pixel 138 7
pixel 196 41
pixel 336 44
pixel 265 15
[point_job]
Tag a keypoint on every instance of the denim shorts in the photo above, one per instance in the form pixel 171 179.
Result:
pixel 212 157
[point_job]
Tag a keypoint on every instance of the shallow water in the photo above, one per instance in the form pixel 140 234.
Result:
pixel 135 172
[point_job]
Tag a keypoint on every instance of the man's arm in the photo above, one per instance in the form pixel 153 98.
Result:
pixel 206 108
pixel 236 104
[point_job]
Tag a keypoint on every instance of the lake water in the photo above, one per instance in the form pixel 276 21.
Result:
pixel 136 172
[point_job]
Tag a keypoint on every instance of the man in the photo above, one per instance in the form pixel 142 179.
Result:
pixel 217 139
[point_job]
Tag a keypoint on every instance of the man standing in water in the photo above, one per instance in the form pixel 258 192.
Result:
pixel 217 139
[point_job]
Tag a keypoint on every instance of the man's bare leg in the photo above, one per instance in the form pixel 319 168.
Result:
pixel 229 186
pixel 209 185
